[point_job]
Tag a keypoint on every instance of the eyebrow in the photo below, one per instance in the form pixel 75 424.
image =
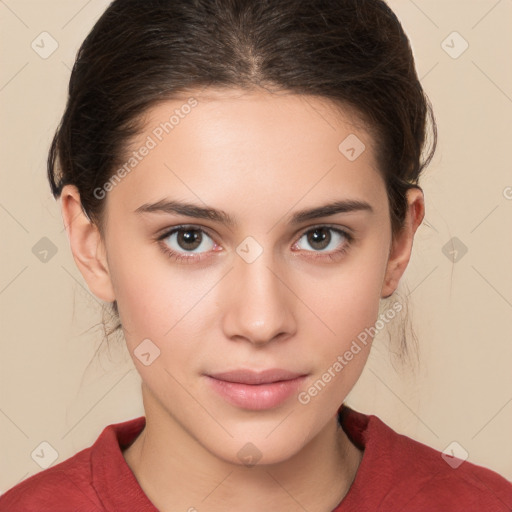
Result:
pixel 191 210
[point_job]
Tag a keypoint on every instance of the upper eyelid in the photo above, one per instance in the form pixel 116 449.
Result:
pixel 344 231
pixel 168 232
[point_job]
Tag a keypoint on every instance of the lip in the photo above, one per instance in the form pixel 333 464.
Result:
pixel 243 376
pixel 256 390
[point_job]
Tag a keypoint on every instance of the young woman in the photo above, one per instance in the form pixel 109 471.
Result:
pixel 240 180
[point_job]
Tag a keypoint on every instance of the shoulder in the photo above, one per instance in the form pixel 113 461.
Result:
pixel 86 481
pixel 66 486
pixel 449 483
pixel 425 477
pixel 409 475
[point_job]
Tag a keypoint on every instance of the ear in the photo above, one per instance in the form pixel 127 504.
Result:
pixel 401 247
pixel 86 245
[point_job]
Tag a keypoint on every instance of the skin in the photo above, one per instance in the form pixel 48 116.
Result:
pixel 260 157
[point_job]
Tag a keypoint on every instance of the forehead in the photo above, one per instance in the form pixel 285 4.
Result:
pixel 260 113
pixel 218 145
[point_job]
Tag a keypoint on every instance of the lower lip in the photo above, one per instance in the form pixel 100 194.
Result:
pixel 256 397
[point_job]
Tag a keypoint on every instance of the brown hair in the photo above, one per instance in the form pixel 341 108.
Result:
pixel 352 52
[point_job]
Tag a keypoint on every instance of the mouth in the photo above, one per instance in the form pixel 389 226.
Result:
pixel 256 390
pixel 242 376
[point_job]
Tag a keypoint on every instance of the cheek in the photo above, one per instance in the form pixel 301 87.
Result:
pixel 162 302
pixel 348 298
pixel 348 304
pixel 150 296
pixel 155 313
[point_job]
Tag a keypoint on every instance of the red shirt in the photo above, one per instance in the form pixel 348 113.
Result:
pixel 396 474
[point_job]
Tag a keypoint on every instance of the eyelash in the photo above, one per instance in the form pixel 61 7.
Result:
pixel 181 258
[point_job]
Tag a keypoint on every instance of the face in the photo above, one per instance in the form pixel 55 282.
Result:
pixel 270 254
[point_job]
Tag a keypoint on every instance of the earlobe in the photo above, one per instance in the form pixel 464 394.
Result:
pixel 86 245
pixel 401 248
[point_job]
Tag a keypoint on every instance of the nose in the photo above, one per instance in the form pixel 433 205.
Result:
pixel 258 306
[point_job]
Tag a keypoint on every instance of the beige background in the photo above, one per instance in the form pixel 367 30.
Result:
pixel 461 310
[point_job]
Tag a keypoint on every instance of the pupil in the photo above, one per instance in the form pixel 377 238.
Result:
pixel 321 237
pixel 189 239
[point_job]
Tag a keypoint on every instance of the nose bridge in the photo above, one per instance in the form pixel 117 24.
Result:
pixel 259 307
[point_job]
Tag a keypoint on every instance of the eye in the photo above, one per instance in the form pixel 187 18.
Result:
pixel 186 242
pixel 324 239
pixel 189 244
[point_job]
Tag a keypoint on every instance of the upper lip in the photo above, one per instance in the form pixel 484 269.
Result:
pixel 242 376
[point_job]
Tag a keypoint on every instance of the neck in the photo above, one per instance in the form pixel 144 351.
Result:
pixel 177 473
